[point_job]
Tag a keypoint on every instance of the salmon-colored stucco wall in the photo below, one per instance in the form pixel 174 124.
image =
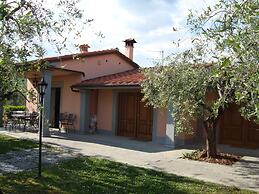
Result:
pixel 93 66
pixel 96 66
pixel 69 101
pixel 31 105
pixel 104 110
pixel 161 122
pixel 161 126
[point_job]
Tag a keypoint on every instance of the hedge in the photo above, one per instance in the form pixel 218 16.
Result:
pixel 9 108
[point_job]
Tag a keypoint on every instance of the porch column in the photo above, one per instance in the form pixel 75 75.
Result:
pixel 170 129
pixel 84 110
pixel 114 111
pixel 47 100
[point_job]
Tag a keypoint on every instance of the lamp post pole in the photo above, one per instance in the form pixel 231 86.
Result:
pixel 40 133
pixel 42 86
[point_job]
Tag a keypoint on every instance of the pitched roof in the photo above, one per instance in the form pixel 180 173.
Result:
pixel 127 78
pixel 92 54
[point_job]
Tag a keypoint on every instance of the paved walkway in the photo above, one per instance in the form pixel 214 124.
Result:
pixel 16 161
pixel 243 174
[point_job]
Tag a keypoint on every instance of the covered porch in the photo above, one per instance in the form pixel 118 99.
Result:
pixel 58 96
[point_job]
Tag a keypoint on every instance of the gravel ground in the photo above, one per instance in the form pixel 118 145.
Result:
pixel 16 161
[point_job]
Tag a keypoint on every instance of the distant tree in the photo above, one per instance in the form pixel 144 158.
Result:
pixel 26 26
pixel 226 35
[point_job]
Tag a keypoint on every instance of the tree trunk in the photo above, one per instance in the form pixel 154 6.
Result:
pixel 1 112
pixel 211 143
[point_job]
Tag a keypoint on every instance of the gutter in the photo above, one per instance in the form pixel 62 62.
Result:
pixel 78 88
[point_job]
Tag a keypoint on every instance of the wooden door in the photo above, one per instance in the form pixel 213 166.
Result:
pixel 252 134
pixel 144 120
pixel 232 127
pixel 237 131
pixel 126 114
pixel 134 118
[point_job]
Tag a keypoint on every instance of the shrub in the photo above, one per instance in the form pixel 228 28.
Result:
pixel 9 108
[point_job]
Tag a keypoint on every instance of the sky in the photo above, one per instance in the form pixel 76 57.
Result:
pixel 149 22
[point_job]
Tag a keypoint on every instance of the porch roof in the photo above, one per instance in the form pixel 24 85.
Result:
pixel 56 71
pixel 130 78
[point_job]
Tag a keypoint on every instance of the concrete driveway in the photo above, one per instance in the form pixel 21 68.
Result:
pixel 243 174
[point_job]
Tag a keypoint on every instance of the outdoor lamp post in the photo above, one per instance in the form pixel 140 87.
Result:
pixel 42 86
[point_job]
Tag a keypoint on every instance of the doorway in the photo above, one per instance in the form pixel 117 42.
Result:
pixel 134 117
pixel 237 131
pixel 55 107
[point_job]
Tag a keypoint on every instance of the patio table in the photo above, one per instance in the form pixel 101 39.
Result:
pixel 21 119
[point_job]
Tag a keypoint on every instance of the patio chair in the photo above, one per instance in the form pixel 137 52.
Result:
pixel 34 121
pixel 66 121
pixel 71 121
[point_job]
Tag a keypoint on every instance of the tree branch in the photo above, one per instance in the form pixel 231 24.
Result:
pixel 21 5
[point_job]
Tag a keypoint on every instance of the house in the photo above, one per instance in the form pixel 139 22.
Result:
pixel 105 85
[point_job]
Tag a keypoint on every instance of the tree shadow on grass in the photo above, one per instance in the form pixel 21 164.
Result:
pixel 12 144
pixel 92 175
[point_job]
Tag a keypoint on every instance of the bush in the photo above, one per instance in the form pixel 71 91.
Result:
pixel 9 108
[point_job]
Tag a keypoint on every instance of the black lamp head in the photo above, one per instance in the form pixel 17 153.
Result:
pixel 42 85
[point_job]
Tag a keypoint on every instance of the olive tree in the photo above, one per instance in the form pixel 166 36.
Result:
pixel 26 27
pixel 220 68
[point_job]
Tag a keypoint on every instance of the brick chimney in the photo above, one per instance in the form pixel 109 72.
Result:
pixel 129 45
pixel 84 48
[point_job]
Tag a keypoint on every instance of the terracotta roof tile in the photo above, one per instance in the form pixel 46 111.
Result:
pixel 126 78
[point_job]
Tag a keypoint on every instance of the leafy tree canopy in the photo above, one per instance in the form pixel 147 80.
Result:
pixel 219 69
pixel 25 27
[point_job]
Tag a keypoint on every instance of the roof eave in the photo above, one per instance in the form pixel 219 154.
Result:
pixel 68 70
pixel 101 86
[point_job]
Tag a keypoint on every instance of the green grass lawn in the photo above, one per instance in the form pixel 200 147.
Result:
pixel 92 175
pixel 8 144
